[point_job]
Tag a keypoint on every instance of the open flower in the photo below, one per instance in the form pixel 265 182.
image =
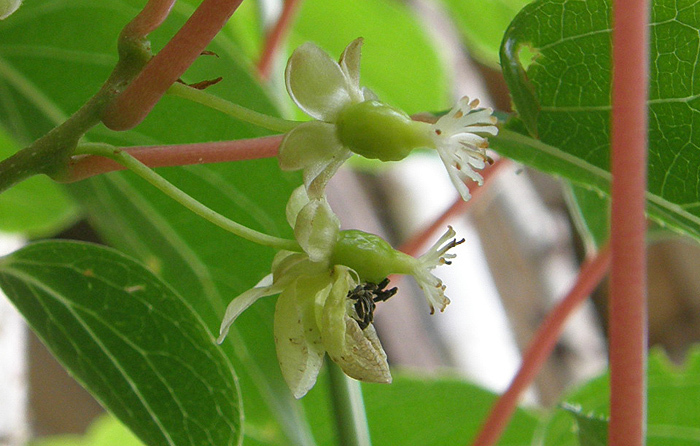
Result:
pixel 349 119
pixel 329 291
pixel 456 139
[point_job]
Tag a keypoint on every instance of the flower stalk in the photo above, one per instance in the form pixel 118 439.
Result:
pixel 348 409
pixel 187 201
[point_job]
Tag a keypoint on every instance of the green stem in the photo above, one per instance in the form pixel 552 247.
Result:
pixel 349 409
pixel 231 109
pixel 187 201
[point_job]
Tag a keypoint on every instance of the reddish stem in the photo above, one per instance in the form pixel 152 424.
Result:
pixel 628 318
pixel 420 238
pixel 166 67
pixel 276 37
pixel 541 347
pixel 179 155
pixel 150 18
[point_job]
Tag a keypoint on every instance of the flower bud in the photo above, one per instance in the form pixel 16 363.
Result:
pixel 7 7
pixel 375 130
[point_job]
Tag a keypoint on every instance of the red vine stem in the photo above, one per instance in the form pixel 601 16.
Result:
pixel 420 238
pixel 628 318
pixel 166 67
pixel 178 155
pixel 276 37
pixel 541 347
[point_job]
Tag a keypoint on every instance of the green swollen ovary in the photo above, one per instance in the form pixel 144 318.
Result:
pixel 370 256
pixel 378 131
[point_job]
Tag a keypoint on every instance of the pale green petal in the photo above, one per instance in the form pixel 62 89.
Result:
pixel 238 305
pixel 297 337
pixel 307 145
pixel 316 229
pixel 296 202
pixel 363 357
pixel 358 352
pixel 350 63
pixel 7 7
pixel 316 83
pixel 317 176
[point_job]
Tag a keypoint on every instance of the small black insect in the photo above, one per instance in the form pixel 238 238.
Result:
pixel 367 295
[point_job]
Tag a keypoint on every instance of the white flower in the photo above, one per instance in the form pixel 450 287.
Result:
pixel 462 150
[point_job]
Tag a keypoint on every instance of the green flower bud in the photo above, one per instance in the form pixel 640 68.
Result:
pixel 375 130
pixel 370 256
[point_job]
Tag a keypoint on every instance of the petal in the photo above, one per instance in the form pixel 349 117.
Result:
pixel 238 305
pixel 350 64
pixel 297 337
pixel 318 177
pixel 316 83
pixel 296 202
pixel 307 145
pixel 316 229
pixel 358 352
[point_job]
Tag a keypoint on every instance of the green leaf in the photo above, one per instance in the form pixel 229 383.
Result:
pixel 592 430
pixel 128 338
pixel 590 211
pixel 104 431
pixel 35 207
pixel 556 60
pixel 673 413
pixel 424 411
pixel 482 24
pixel 389 63
pixel 58 54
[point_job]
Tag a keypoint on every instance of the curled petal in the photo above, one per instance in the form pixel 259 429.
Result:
pixel 350 64
pixel 317 178
pixel 297 337
pixel 316 229
pixel 296 203
pixel 362 357
pixel 358 352
pixel 238 305
pixel 308 144
pixel 316 83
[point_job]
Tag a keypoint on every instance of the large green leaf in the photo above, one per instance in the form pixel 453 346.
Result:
pixel 128 338
pixel 556 59
pixel 417 410
pixel 58 53
pixel 673 413
pixel 397 51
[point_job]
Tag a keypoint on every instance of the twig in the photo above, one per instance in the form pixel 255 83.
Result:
pixel 628 318
pixel 166 67
pixel 86 166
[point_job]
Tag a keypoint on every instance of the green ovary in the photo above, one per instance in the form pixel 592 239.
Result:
pixel 370 256
pixel 378 131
